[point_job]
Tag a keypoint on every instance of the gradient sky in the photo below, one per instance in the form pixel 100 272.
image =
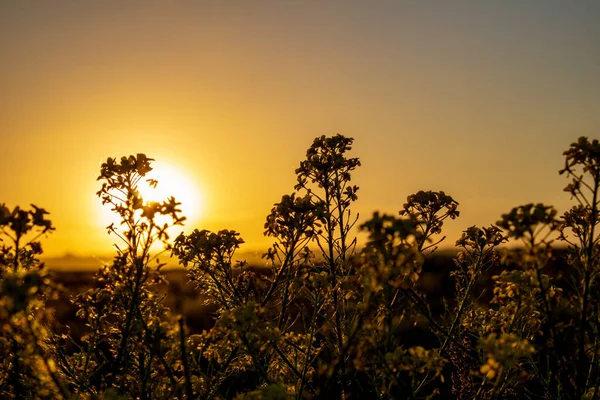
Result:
pixel 478 99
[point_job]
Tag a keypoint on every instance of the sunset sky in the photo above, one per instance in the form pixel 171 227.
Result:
pixel 477 98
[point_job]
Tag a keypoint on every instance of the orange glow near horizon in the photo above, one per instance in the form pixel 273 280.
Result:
pixel 477 99
pixel 172 182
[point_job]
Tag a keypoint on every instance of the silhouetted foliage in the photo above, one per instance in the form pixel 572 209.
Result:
pixel 326 320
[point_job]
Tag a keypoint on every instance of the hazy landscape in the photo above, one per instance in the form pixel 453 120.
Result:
pixel 318 316
pixel 300 200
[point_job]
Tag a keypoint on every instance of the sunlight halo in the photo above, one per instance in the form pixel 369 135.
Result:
pixel 172 181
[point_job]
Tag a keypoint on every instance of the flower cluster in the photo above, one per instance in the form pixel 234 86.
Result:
pixel 320 318
pixel 503 353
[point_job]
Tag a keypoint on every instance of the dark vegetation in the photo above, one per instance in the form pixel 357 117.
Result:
pixel 395 319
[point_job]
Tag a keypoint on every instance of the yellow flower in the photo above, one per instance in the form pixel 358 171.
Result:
pixel 491 368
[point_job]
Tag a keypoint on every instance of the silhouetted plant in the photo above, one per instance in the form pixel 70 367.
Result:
pixel 390 268
pixel 26 370
pixel 322 320
pixel 477 255
pixel 429 210
pixel 582 166
pixel 325 176
pixel 253 332
pixel 131 342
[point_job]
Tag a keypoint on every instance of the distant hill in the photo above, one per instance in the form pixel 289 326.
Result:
pixel 71 262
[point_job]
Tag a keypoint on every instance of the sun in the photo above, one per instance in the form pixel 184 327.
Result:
pixel 172 182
